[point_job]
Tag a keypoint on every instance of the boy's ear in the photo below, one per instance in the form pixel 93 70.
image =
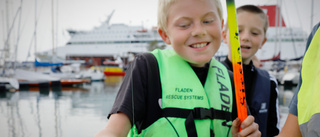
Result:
pixel 264 41
pixel 224 36
pixel 224 32
pixel 164 36
pixel 222 24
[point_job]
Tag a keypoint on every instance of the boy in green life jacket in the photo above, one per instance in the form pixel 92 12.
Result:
pixel 261 88
pixel 150 101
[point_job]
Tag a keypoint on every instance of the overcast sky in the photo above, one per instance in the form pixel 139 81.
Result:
pixel 87 14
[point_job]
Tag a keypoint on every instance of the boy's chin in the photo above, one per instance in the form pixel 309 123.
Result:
pixel 198 63
pixel 246 60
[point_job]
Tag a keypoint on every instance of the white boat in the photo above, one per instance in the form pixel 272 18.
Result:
pixel 94 74
pixel 34 79
pixel 9 83
pixel 291 74
pixel 291 77
pixel 26 75
pixel 71 71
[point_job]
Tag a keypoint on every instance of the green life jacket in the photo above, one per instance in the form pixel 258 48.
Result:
pixel 309 93
pixel 188 108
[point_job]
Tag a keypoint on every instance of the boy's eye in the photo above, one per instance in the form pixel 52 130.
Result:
pixel 207 21
pixel 183 25
pixel 255 33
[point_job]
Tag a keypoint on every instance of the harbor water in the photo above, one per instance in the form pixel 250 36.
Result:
pixel 79 111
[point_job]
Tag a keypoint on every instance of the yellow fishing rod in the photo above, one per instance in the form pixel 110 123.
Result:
pixel 236 61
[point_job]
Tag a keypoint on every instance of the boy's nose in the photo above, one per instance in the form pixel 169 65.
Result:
pixel 198 30
pixel 244 36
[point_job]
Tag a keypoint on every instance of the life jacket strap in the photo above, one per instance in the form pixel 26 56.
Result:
pixel 196 113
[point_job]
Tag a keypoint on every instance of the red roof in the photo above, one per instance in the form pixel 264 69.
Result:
pixel 271 11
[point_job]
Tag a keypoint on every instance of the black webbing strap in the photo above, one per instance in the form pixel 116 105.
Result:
pixel 191 126
pixel 196 113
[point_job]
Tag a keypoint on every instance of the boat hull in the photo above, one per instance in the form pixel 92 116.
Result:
pixel 114 73
pixel 64 82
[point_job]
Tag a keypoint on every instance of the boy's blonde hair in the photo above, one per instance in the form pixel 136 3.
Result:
pixel 163 11
pixel 256 10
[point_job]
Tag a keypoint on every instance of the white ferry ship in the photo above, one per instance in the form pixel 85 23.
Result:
pixel 110 40
pixel 106 42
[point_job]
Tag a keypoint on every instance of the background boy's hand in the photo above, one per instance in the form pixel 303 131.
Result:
pixel 249 128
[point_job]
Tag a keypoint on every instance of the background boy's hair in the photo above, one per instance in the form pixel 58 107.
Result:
pixel 163 11
pixel 256 10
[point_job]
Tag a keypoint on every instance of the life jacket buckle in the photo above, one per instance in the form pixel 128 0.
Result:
pixel 202 113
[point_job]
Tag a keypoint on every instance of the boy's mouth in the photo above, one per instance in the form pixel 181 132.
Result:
pixel 199 45
pixel 245 47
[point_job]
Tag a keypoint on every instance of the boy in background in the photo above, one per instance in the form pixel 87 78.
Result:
pixel 261 88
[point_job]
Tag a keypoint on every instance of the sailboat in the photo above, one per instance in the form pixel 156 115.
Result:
pixel 7 82
pixel 31 78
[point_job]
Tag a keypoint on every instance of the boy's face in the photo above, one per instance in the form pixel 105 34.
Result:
pixel 194 30
pixel 251 35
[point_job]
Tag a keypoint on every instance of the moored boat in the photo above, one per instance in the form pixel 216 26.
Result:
pixel 9 83
pixel 63 82
pixel 94 74
pixel 113 69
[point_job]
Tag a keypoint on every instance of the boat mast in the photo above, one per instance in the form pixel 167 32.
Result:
pixel 6 49
pixel 6 46
pixel 280 26
pixel 4 38
pixel 7 15
pixel 311 22
pixel 18 38
pixel 2 60
pixel 57 27
pixel 52 14
pixel 35 27
pixel 35 31
pixel 3 26
pixel 277 29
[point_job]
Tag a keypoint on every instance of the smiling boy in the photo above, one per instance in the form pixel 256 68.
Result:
pixel 148 101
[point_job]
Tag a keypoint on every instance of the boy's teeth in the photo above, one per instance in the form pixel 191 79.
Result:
pixel 245 47
pixel 199 45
